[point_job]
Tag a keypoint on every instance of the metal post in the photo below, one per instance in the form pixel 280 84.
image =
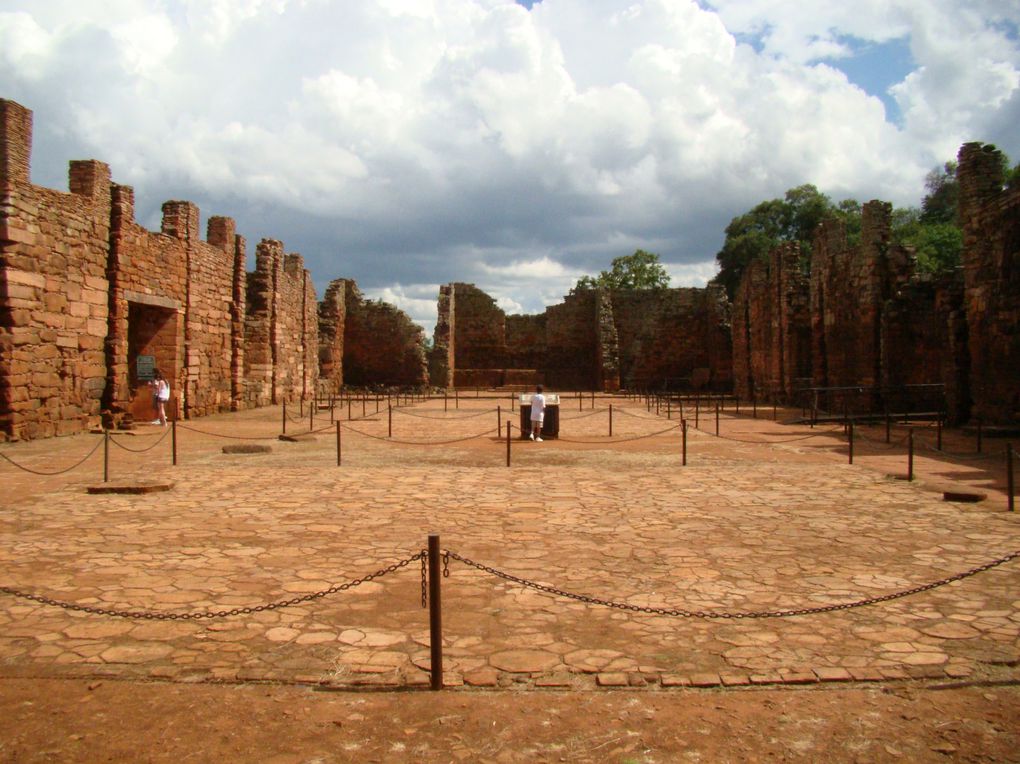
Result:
pixel 435 615
pixel 683 434
pixel 910 455
pixel 445 400
pixel 456 398
pixel 593 400
pixel 173 440
pixel 284 416
pixel 106 456
pixel 610 420
pixel 717 417
pixel 697 411
pixel 348 407
pixel 669 407
pixel 850 431
pixel 888 426
pixel 507 442
pixel 1009 476
pixel 513 403
pixel 580 401
pixel 979 435
pixel 658 400
pixel 311 418
pixel 364 405
pixel 339 450
pixel 499 419
pixel 737 405
pixel 389 418
pixel 332 402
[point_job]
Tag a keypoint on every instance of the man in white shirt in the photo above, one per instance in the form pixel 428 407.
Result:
pixel 537 414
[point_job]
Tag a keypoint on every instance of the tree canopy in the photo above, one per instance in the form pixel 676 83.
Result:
pixel 642 270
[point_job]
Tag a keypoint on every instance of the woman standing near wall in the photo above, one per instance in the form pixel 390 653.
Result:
pixel 160 395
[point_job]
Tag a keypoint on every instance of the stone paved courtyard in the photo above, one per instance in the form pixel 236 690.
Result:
pixel 742 527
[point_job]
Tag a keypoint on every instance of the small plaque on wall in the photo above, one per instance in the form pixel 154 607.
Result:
pixel 145 367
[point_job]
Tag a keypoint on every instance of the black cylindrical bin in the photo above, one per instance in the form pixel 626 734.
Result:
pixel 551 421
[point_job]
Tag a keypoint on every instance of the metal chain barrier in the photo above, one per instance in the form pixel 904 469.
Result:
pixel 227 437
pixel 386 439
pixel 406 412
pixel 151 615
pixel 736 614
pixel 627 439
pixel 166 432
pixel 593 412
pixel 879 443
pixel 770 442
pixel 58 472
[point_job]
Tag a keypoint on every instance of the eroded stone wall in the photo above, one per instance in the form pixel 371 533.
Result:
pixel 381 345
pixel 594 339
pixel 990 217
pixel 54 292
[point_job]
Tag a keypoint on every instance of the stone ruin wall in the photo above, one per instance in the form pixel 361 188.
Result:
pixel 84 289
pixel 873 322
pixel 281 328
pixel 771 326
pixel 366 342
pixel 54 292
pixel 990 218
pixel 594 339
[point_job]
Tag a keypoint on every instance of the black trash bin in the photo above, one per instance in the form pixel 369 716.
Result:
pixel 551 421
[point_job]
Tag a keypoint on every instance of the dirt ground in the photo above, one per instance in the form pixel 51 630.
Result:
pixel 117 714
pixel 101 720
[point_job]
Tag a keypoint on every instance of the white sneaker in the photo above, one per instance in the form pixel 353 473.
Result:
pixel 156 421
pixel 532 436
pixel 539 440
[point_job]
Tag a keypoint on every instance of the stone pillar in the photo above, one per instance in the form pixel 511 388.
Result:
pixel 180 220
pixel 15 143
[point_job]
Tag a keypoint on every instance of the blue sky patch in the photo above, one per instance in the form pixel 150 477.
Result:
pixel 875 67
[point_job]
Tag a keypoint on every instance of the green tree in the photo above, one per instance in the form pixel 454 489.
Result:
pixel 939 204
pixel 642 270
pixel 937 246
pixel 754 234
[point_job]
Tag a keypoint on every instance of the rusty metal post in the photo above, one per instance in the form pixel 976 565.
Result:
pixel 697 411
pixel 435 616
pixel 456 398
pixel 610 420
pixel 364 405
pixel 683 435
pixel 580 401
pixel 513 403
pixel 1009 476
pixel 106 455
pixel 389 420
pixel 311 417
pixel 348 407
pixel 339 450
pixel 507 442
pixel 910 455
pixel 717 417
pixel 850 432
pixel 173 440
pixel 284 417
pixel 669 407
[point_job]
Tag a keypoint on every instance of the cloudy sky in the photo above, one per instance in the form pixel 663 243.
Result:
pixel 516 145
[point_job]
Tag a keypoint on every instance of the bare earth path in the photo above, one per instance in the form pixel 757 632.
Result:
pixel 748 527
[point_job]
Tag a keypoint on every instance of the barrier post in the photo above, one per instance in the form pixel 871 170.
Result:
pixel 683 436
pixel 389 421
pixel 697 411
pixel 979 434
pixel 311 418
pixel 593 400
pixel 446 400
pixel 717 417
pixel 173 440
pixel 348 407
pixel 1009 476
pixel 910 455
pixel 364 405
pixel 610 420
pixel 284 417
pixel 669 407
pixel 435 616
pixel 507 442
pixel 339 451
pixel 499 419
pixel 736 404
pixel 513 402
pixel 456 398
pixel 658 400
pixel 850 432
pixel 106 455
pixel 888 426
pixel 331 404
pixel 580 401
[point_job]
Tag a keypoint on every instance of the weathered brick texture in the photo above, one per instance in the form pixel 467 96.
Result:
pixel 593 339
pixel 85 291
pixel 381 345
pixel 990 217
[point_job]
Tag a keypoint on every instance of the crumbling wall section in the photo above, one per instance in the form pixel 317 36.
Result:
pixel 674 338
pixel 54 291
pixel 571 359
pixel 772 326
pixel 332 322
pixel 441 357
pixel 381 345
pixel 990 217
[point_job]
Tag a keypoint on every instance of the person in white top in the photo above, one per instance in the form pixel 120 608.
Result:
pixel 537 414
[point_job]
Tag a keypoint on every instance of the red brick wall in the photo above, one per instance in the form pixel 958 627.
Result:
pixel 53 290
pixel 990 217
pixel 381 345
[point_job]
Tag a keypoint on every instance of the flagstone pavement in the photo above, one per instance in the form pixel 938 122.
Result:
pixel 745 527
